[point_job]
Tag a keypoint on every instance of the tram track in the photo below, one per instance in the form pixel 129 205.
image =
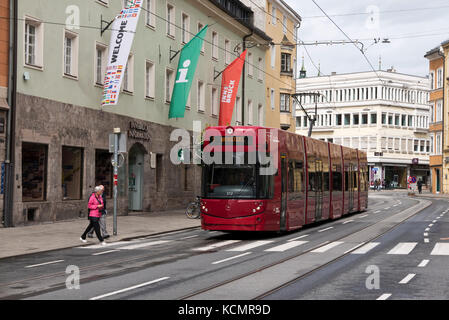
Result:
pixel 280 287
pixel 27 281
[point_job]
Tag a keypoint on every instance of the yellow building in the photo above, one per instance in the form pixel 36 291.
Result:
pixel 280 22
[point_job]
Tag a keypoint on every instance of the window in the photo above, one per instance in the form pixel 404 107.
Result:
pixel 250 112
pixel 151 10
pixel 214 101
pixel 347 119
pixel 250 65
pixel 432 80
pixel 70 54
pixel 128 75
pixel 285 102
pixel 373 118
pixel 285 62
pixel 200 27
pixel 72 173
pixel 171 20
pixel 100 63
pixel 355 119
pixel 104 171
pixel 338 121
pixel 410 121
pixel 227 52
pixel 200 96
pixel 149 80
pixel 305 121
pixel 169 81
pixel 214 45
pixel 364 118
pixel 33 43
pixel 34 171
pixel 438 143
pixel 396 119
pixel 384 118
pixel 403 120
pixel 260 114
pixel 298 122
pixel 273 56
pixel 390 119
pixel 284 25
pixel 272 96
pixel 185 28
pixel 439 115
pixel 431 143
pixel 238 111
pixel 439 78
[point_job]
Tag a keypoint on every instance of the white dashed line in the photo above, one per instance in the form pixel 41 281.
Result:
pixel 426 229
pixel 325 229
pixel 216 245
pixel 431 225
pixel 423 263
pixel 387 208
pixel 327 247
pixel 143 245
pixel 251 245
pixel 434 221
pixel 188 237
pixel 104 252
pixel 232 258
pixel 426 240
pixel 347 221
pixel 357 246
pixel 128 289
pixel 366 248
pixel 440 249
pixel 385 296
pixel 409 277
pixel 403 248
pixel 43 264
pixel 286 246
pixel 425 234
pixel 300 237
pixel 377 211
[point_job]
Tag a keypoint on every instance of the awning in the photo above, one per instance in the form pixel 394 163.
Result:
pixel 3 104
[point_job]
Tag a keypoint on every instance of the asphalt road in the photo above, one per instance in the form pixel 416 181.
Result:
pixel 323 261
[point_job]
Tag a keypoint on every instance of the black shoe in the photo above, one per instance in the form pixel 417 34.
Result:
pixel 90 235
pixel 106 236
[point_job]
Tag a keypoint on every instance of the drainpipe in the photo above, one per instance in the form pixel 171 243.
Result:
pixel 244 77
pixel 441 54
pixel 10 131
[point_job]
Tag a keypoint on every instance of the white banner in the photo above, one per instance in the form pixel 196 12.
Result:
pixel 122 37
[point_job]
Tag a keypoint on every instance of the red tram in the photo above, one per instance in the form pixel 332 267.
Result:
pixel 313 180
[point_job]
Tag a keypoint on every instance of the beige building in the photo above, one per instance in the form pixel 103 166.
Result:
pixel 281 23
pixel 384 113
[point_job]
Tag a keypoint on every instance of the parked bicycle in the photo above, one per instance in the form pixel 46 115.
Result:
pixel 193 210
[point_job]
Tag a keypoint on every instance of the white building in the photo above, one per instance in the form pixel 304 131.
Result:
pixel 384 113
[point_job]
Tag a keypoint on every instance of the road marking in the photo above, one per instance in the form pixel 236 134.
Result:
pixel 438 217
pixel 426 229
pixel 355 247
pixel 251 245
pixel 365 215
pixel 327 247
pixel 440 249
pixel 423 263
pixel 189 237
pixel 325 229
pixel 129 289
pixel 348 221
pixel 425 234
pixel 426 240
pixel 385 296
pixel 286 246
pixel 217 245
pixel 403 248
pixel 143 245
pixel 43 264
pixel 377 211
pixel 367 247
pixel 431 225
pixel 387 208
pixel 99 246
pixel 434 221
pixel 409 277
pixel 303 236
pixel 104 252
pixel 231 258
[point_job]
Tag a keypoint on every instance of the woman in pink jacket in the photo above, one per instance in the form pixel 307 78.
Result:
pixel 95 205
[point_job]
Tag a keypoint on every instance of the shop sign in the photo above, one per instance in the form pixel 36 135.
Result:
pixel 138 131
pixel 415 161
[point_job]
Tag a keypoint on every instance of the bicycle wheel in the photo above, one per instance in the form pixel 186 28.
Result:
pixel 192 211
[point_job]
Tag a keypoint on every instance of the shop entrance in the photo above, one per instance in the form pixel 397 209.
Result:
pixel 135 178
pixel 395 177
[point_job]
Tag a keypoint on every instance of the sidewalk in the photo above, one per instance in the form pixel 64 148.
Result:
pixel 65 234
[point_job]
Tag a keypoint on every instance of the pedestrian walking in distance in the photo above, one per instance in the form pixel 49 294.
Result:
pixel 102 221
pixel 420 186
pixel 95 205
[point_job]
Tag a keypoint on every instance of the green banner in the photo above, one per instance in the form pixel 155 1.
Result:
pixel 184 75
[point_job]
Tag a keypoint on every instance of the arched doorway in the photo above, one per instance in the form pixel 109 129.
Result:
pixel 135 177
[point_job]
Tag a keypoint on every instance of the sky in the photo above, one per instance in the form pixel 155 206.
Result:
pixel 413 27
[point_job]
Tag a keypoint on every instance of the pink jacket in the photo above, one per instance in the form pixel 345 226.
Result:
pixel 93 206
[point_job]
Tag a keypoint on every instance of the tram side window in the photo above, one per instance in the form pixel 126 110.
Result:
pixel 295 179
pixel 266 190
pixel 355 180
pixel 337 181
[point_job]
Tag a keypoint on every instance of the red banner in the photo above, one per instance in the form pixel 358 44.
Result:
pixel 229 88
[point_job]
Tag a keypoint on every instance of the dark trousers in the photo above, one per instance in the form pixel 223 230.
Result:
pixel 94 223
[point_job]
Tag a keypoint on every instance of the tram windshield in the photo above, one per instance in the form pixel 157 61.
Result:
pixel 230 181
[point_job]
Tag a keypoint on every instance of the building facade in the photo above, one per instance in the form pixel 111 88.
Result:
pixel 445 122
pixel 281 23
pixel 383 113
pixel 61 132
pixel 436 77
